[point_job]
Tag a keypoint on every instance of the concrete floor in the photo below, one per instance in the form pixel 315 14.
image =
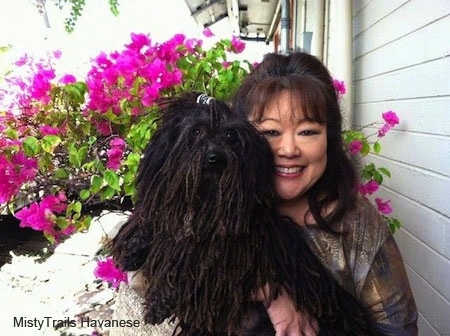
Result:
pixel 54 285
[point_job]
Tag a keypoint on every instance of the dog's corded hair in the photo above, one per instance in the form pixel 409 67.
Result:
pixel 205 232
pixel 177 183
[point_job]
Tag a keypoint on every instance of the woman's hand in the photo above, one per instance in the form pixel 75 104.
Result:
pixel 288 321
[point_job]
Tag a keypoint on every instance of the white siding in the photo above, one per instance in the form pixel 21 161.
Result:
pixel 401 62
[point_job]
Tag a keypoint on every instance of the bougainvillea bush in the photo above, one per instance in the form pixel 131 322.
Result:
pixel 69 145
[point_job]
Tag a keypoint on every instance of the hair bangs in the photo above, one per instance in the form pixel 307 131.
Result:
pixel 306 95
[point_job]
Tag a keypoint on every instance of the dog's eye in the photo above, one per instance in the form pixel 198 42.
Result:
pixel 231 137
pixel 196 132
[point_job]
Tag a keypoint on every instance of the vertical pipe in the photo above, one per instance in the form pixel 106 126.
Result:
pixel 317 44
pixel 344 56
pixel 40 5
pixel 285 26
pixel 272 25
pixel 339 51
pixel 233 16
pixel 303 18
pixel 326 32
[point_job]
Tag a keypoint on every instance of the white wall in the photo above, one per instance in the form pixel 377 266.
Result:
pixel 401 62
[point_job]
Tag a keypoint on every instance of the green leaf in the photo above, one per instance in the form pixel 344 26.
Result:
pixel 81 154
pixel 30 146
pixel 62 222
pixel 133 159
pixel 74 93
pixel 377 147
pixel 378 177
pixel 77 156
pixel 85 194
pixel 96 184
pixel 84 222
pixel 11 133
pixel 384 171
pixel 365 148
pixel 45 161
pixel 77 207
pixel 111 179
pixel 50 142
pixel 107 193
pixel 49 237
pixel 61 174
pixel 129 189
pixel 368 171
pixel 393 223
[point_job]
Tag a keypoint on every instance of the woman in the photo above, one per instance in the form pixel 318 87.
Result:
pixel 292 101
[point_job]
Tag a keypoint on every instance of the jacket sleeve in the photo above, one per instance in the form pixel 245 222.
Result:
pixel 386 292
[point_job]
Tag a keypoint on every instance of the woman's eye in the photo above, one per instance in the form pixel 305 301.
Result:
pixel 270 133
pixel 307 133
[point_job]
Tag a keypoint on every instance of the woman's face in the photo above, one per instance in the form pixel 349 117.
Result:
pixel 299 147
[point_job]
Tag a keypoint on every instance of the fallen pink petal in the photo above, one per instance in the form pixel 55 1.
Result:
pixel 107 271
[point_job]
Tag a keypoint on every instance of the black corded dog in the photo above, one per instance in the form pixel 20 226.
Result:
pixel 206 235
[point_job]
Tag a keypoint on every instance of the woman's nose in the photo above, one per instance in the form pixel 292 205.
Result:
pixel 288 147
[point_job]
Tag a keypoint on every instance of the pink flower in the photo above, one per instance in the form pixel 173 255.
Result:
pixel 41 85
pixel 226 64
pixel 68 79
pixel 390 118
pixel 192 43
pixel 383 130
pixel 114 158
pixel 207 32
pixel 62 196
pixel 118 142
pixel 67 231
pixel 22 60
pixel 383 206
pixel 104 127
pixel 48 130
pixel 41 216
pixel 138 41
pixel 57 54
pixel 115 153
pixel 151 94
pixel 14 172
pixel 339 86
pixel 106 270
pixel 368 188
pixel 237 45
pixel 355 146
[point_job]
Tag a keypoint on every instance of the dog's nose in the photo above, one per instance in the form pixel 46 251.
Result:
pixel 212 157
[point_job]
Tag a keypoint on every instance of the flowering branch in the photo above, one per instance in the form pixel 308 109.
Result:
pixel 360 145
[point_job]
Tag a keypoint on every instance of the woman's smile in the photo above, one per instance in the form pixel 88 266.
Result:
pixel 289 172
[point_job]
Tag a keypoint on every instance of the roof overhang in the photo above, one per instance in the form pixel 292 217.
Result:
pixel 248 19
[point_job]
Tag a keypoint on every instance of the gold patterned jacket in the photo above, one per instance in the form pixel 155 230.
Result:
pixel 366 261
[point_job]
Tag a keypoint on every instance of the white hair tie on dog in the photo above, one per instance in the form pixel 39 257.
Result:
pixel 204 99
